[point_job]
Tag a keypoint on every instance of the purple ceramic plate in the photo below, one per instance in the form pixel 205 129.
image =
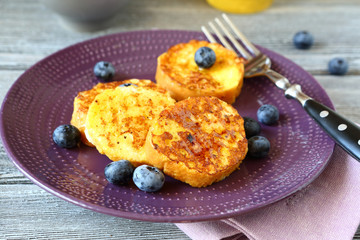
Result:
pixel 42 98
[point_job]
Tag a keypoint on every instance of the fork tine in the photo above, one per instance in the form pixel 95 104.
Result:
pixel 220 36
pixel 208 35
pixel 240 48
pixel 241 36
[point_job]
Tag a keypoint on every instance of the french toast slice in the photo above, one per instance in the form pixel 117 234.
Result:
pixel 118 120
pixel 179 74
pixel 199 140
pixel 83 100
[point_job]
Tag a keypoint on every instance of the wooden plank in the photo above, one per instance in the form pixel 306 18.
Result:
pixel 43 216
pixel 302 15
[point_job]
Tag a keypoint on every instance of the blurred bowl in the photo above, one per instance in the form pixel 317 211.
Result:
pixel 85 15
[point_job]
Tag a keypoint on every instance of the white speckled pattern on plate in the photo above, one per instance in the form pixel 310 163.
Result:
pixel 42 98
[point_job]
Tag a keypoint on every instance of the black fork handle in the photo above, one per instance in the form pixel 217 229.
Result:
pixel 345 132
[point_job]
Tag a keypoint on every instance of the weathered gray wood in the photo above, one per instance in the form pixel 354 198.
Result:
pixel 29 32
pixel 40 215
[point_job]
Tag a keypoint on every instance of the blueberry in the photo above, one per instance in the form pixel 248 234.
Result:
pixel 258 146
pixel 205 57
pixel 338 66
pixel 303 40
pixel 104 70
pixel 119 172
pixel 268 114
pixel 128 85
pixel 148 178
pixel 66 136
pixel 252 127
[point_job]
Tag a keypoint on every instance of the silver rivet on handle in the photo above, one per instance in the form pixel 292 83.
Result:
pixel 324 114
pixel 342 127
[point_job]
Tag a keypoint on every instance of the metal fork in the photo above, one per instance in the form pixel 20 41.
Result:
pixel 343 131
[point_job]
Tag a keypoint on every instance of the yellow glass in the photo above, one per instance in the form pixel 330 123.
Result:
pixel 240 6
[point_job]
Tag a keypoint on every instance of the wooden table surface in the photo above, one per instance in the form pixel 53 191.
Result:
pixel 29 32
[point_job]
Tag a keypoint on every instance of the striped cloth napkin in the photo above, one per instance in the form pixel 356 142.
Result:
pixel 327 209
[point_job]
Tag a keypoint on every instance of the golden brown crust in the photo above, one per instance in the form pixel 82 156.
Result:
pixel 84 98
pixel 118 121
pixel 199 140
pixel 178 73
